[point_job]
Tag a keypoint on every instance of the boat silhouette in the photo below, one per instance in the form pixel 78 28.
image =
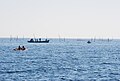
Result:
pixel 38 41
pixel 20 48
pixel 88 42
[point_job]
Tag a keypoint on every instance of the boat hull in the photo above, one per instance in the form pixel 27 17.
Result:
pixel 38 41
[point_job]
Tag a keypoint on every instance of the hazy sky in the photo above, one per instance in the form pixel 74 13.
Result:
pixel 67 18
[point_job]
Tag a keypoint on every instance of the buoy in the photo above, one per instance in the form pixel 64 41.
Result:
pixel 88 42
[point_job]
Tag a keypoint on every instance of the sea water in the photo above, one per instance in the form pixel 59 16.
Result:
pixel 60 60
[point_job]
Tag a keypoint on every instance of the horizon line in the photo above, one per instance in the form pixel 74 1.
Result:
pixel 66 37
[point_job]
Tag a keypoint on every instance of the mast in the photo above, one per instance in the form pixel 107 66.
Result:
pixel 10 37
pixel 64 39
pixel 34 36
pixel 16 38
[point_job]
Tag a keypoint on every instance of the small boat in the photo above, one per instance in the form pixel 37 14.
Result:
pixel 38 41
pixel 16 49
pixel 20 49
pixel 88 42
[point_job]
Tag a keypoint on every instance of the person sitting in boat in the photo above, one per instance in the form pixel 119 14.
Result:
pixel 23 48
pixel 19 48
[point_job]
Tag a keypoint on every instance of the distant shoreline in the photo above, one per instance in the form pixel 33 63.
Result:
pixel 61 38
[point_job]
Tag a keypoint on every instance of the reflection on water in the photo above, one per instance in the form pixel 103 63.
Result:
pixel 69 60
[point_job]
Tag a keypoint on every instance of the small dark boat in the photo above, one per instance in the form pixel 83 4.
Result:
pixel 38 41
pixel 88 42
pixel 16 49
pixel 20 48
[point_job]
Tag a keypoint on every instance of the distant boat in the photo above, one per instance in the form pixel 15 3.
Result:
pixel 88 42
pixel 38 41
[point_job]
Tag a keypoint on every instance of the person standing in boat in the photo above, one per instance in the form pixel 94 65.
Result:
pixel 46 40
pixel 31 40
pixel 39 39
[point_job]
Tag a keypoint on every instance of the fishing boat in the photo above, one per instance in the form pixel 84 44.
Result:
pixel 38 41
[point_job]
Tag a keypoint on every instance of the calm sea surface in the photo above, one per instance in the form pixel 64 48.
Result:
pixel 60 60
